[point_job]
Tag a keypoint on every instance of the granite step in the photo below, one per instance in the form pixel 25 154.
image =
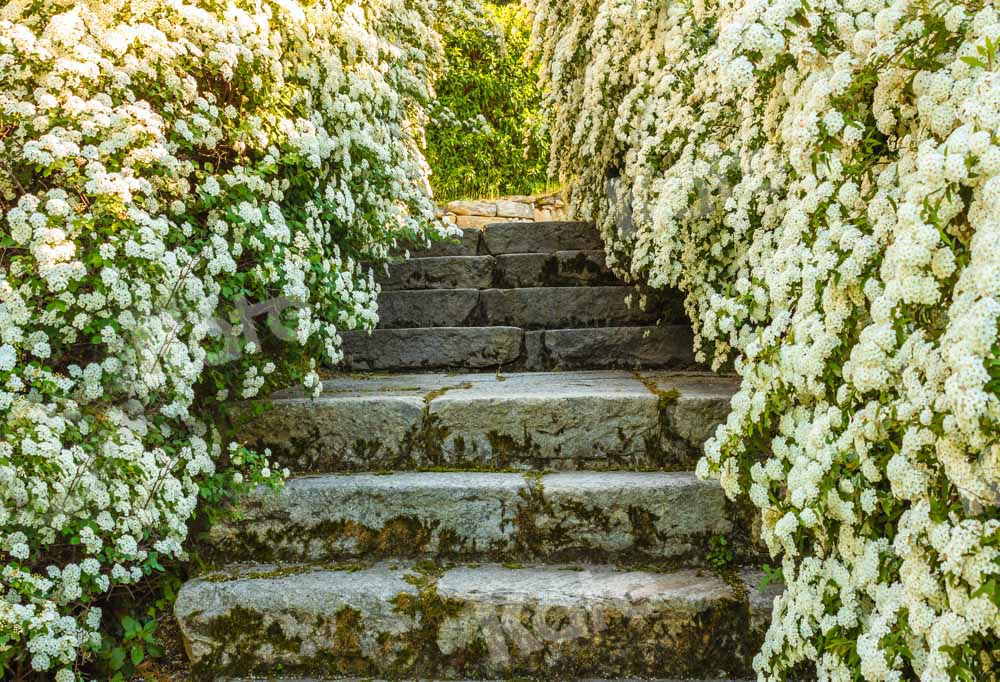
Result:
pixel 541 237
pixel 653 347
pixel 268 678
pixel 512 348
pixel 430 308
pixel 507 271
pixel 467 244
pixel 401 620
pixel 570 307
pixel 527 308
pixel 596 420
pixel 556 269
pixel 495 238
pixel 438 272
pixel 470 348
pixel 635 517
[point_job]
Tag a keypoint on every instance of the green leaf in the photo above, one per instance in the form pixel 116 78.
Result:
pixel 117 658
pixel 974 62
pixel 130 625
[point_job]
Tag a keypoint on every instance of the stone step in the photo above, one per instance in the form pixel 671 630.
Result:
pixel 270 678
pixel 433 348
pixel 558 269
pixel 369 679
pixel 429 308
pixel 635 517
pixel 531 308
pixel 660 347
pixel 597 420
pixel 403 620
pixel 508 271
pixel 511 348
pixel 568 307
pixel 465 245
pixel 440 272
pixel 498 237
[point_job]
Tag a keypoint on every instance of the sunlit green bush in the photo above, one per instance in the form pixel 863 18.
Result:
pixel 487 137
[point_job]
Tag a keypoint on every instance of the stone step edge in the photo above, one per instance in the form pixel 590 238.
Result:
pixel 369 679
pixel 515 349
pixel 484 619
pixel 527 308
pixel 496 237
pixel 609 419
pixel 642 517
pixel 568 268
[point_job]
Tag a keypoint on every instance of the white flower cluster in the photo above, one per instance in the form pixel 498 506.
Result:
pixel 163 162
pixel 822 182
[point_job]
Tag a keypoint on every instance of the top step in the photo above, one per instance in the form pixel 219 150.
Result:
pixel 523 237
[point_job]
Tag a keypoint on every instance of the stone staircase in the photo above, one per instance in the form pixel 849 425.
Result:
pixel 480 520
pixel 518 296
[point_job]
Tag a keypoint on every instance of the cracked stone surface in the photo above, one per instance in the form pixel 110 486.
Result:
pixel 569 307
pixel 539 237
pixel 442 272
pixel 601 419
pixel 388 619
pixel 427 308
pixel 647 516
pixel 562 268
pixel 610 347
pixel 432 348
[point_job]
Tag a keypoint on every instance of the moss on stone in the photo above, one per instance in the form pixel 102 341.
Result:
pixel 665 397
pixel 338 539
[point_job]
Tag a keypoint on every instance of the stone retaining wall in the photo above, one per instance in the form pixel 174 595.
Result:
pixel 518 208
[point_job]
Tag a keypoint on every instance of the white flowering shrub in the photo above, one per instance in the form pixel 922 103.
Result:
pixel 167 166
pixel 822 180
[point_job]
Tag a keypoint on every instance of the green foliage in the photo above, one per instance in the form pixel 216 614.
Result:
pixel 720 553
pixel 487 136
pixel 772 575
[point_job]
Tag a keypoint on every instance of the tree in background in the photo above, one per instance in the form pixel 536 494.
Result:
pixel 487 136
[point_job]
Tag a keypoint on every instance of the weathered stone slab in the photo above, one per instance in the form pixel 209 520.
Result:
pixel 598 420
pixel 255 618
pixel 546 418
pixel 466 245
pixel 397 515
pixel 428 308
pixel 563 307
pixel 339 432
pixel 575 515
pixel 499 238
pixel 667 346
pixel 368 679
pixel 484 208
pixel 443 272
pixel 624 515
pixel 432 348
pixel 562 268
pixel 478 621
pixel 515 209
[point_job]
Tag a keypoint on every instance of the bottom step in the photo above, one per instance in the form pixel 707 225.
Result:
pixel 401 620
pixel 368 679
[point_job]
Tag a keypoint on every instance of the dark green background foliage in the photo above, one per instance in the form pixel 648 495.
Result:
pixel 487 76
